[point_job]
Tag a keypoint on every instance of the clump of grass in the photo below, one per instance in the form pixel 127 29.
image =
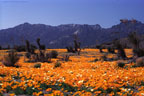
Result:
pixel 11 59
pixel 38 65
pixel 54 54
pixel 57 64
pixel 121 64
pixel 65 58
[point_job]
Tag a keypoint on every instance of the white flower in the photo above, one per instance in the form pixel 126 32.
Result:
pixel 92 90
pixel 81 81
pixel 1 83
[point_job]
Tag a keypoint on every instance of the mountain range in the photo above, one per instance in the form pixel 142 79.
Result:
pixel 62 35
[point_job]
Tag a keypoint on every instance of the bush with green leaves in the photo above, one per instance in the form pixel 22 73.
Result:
pixel 57 64
pixel 38 65
pixel 54 54
pixel 11 58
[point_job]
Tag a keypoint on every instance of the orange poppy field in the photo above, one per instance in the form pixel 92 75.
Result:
pixel 81 75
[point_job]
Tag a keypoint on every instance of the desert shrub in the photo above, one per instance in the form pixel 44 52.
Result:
pixel 100 48
pixel 120 64
pixel 111 50
pixel 140 62
pixel 70 49
pixel 40 56
pixel 138 52
pixel 135 40
pixel 103 57
pixel 38 65
pixel 76 48
pixel 20 48
pixel 121 52
pixel 28 55
pixel 11 59
pixel 57 64
pixel 65 58
pixel 54 54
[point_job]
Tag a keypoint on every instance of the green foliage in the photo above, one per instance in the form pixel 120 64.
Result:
pixel 2 75
pixel 68 87
pixel 29 91
pixel 11 59
pixel 8 88
pixel 38 65
pixel 18 91
pixel 57 64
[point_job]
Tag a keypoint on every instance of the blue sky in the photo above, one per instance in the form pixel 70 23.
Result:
pixel 56 12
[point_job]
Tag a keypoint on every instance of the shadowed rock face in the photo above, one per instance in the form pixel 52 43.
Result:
pixel 62 35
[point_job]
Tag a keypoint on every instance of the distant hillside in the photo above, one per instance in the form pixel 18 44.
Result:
pixel 62 35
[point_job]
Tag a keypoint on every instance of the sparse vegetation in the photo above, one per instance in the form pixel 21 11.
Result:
pixel 121 52
pixel 76 46
pixel 20 48
pixel 135 40
pixel 65 58
pixel 100 48
pixel 54 54
pixel 40 56
pixel 11 59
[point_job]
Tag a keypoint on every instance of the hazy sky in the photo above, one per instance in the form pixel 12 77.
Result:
pixel 56 12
